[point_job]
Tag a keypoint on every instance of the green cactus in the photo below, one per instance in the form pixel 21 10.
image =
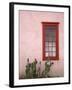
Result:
pixel 32 72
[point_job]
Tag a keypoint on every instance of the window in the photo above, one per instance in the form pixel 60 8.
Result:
pixel 50 40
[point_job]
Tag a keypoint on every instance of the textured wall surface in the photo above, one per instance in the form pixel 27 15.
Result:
pixel 31 39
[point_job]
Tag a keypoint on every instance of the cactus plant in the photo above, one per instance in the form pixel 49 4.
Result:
pixel 32 72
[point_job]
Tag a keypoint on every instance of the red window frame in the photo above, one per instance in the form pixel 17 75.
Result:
pixel 44 25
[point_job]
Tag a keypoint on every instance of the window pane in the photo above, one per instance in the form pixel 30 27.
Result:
pixel 54 43
pixel 50 35
pixel 54 48
pixel 50 48
pixel 53 33
pixel 50 43
pixel 51 39
pixel 46 54
pixel 46 48
pixel 50 28
pixel 46 38
pixel 54 53
pixel 50 54
pixel 46 32
pixel 46 43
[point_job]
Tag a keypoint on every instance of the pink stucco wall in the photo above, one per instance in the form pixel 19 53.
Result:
pixel 31 39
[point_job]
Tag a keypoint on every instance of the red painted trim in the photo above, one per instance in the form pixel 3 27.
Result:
pixel 57 42
pixel 43 42
pixel 50 23
pixel 44 25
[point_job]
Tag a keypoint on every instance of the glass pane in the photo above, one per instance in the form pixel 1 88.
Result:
pixel 54 53
pixel 51 27
pixel 50 35
pixel 50 54
pixel 46 38
pixel 50 48
pixel 50 38
pixel 54 48
pixel 54 43
pixel 46 48
pixel 53 33
pixel 53 38
pixel 50 43
pixel 46 43
pixel 47 32
pixel 46 54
